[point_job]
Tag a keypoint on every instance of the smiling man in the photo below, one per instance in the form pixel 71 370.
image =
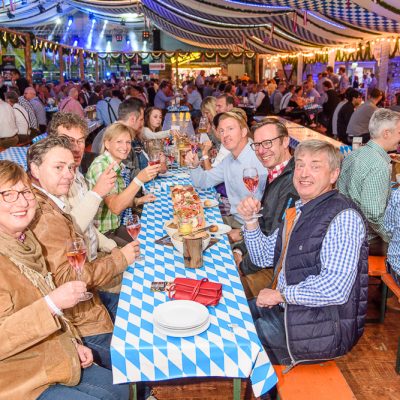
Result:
pixel 316 307
pixel 234 136
pixel 271 146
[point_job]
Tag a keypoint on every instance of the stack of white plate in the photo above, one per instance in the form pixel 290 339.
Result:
pixel 181 318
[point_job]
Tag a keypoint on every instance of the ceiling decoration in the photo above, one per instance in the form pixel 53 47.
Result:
pixel 275 26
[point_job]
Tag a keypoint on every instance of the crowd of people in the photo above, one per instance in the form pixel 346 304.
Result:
pixel 303 263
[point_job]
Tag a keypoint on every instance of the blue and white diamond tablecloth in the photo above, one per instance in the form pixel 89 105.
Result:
pixel 229 348
pixel 16 154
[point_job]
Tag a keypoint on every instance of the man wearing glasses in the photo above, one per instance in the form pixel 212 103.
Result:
pixel 271 146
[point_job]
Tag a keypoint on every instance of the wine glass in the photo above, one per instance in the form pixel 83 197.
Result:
pixel 133 226
pixel 251 180
pixel 170 153
pixel 76 254
pixel 154 159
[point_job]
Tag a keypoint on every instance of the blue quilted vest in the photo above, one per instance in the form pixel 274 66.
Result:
pixel 321 333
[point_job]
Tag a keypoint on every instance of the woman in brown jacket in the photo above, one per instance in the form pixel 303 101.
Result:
pixel 41 354
pixel 51 165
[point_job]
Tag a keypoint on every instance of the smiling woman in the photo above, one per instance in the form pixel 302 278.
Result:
pixel 47 360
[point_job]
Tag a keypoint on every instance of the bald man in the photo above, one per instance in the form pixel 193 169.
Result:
pixel 71 103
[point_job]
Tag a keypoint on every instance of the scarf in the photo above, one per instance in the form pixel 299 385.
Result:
pixel 27 256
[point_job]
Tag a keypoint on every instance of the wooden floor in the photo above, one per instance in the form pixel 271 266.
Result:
pixel 369 367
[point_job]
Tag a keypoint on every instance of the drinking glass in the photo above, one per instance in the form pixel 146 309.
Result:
pixel 251 180
pixel 170 153
pixel 203 125
pixel 185 226
pixel 133 226
pixel 76 254
pixel 154 159
pixel 194 146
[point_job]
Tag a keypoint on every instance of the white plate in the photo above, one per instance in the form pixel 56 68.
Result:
pixel 222 229
pixel 180 314
pixel 213 203
pixel 182 332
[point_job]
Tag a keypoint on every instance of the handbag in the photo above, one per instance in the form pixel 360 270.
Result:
pixel 203 291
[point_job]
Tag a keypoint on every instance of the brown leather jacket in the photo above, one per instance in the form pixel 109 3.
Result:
pixel 52 228
pixel 35 349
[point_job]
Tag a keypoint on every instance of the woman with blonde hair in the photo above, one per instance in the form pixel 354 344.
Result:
pixel 117 144
pixel 41 353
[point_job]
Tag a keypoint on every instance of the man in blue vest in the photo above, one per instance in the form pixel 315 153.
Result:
pixel 316 306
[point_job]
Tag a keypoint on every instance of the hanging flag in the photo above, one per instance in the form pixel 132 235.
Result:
pixel 294 22
pixel 305 18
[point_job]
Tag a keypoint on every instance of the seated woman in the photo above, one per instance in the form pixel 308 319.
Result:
pixel 295 108
pixel 41 355
pixel 152 125
pixel 116 147
pixel 52 168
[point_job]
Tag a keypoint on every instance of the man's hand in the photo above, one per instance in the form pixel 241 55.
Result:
pixel 148 198
pixel 206 147
pixel 106 181
pixel 148 173
pixel 247 208
pixel 131 251
pixel 235 235
pixel 269 298
pixel 68 294
pixel 85 355
pixel 192 159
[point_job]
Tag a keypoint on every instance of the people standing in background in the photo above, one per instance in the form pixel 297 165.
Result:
pixel 9 130
pixel 332 77
pixel 354 100
pixel 21 82
pixel 107 109
pixel 25 101
pixel 343 81
pixel 356 83
pixel 71 103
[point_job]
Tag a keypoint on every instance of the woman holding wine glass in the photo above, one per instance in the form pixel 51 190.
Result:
pixel 116 147
pixel 40 352
pixel 52 167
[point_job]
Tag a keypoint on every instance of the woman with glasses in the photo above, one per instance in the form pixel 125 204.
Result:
pixel 41 355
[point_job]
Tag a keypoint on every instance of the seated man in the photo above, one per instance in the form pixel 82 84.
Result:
pixel 316 307
pixel 52 167
pixel 234 136
pixel 271 145
pixel 365 176
pixel 83 202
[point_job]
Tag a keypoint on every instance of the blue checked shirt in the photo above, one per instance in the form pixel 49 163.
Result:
pixel 392 226
pixel 339 258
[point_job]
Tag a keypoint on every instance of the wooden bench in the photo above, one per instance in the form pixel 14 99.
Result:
pixel 313 382
pixel 389 283
pixel 376 266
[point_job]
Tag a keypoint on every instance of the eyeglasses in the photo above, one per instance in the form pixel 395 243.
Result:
pixel 79 142
pixel 266 144
pixel 11 196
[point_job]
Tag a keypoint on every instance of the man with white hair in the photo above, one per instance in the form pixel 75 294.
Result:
pixel 25 101
pixel 71 103
pixel 365 176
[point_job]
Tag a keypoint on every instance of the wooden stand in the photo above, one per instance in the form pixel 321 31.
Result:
pixel 193 251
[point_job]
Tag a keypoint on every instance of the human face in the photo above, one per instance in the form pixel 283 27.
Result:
pixel 275 155
pixel 57 171
pixel 221 106
pixel 15 217
pixel 313 176
pixel 30 94
pixel 155 119
pixel 119 147
pixel 391 138
pixel 233 137
pixel 136 123
pixel 77 139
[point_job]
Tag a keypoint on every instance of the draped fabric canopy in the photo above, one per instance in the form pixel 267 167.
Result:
pixel 275 26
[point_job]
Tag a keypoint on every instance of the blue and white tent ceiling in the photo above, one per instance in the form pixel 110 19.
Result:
pixel 297 25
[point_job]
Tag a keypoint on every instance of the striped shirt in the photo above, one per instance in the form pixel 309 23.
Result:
pixel 105 220
pixel 365 179
pixel 33 122
pixel 392 226
pixel 339 257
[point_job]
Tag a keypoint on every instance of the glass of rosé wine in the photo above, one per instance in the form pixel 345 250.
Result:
pixel 251 180
pixel 76 254
pixel 133 226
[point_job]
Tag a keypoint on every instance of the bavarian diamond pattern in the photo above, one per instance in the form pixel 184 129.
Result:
pixel 229 348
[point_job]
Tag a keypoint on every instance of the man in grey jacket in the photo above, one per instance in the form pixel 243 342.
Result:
pixel 271 144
